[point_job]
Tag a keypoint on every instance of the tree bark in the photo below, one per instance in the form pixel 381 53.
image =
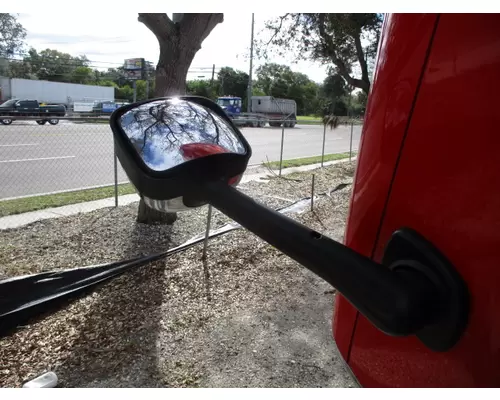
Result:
pixel 179 42
pixel 172 69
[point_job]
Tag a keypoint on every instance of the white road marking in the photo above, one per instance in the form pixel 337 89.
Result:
pixel 15 145
pixel 36 159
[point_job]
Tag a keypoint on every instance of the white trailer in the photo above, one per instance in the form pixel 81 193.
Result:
pixel 271 105
pixel 266 109
pixel 54 92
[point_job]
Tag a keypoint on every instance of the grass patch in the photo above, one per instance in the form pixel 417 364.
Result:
pixel 312 120
pixel 308 120
pixel 297 162
pixel 18 206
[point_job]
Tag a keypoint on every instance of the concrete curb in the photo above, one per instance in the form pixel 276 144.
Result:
pixel 18 220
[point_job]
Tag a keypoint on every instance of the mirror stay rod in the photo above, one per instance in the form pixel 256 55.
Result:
pixel 400 301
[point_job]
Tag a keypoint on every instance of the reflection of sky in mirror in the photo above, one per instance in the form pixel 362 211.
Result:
pixel 158 129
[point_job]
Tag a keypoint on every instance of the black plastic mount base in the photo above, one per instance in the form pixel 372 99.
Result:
pixel 408 249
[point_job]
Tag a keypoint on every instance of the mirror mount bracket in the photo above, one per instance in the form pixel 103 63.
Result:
pixel 414 291
pixel 406 251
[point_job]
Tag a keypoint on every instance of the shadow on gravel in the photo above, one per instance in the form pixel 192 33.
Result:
pixel 116 346
pixel 286 344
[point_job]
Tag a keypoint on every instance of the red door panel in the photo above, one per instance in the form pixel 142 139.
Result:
pixel 447 187
pixel 393 91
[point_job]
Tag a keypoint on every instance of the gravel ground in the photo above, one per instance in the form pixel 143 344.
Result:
pixel 248 317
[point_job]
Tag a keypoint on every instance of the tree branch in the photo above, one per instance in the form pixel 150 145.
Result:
pixel 339 63
pixel 344 73
pixel 361 57
pixel 160 24
pixel 276 31
pixel 200 25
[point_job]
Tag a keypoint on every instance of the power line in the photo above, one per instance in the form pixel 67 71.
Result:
pixel 79 62
pixel 26 55
pixel 72 67
pixel 95 76
pixel 103 76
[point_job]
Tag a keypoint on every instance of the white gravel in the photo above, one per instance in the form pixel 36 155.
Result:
pixel 248 317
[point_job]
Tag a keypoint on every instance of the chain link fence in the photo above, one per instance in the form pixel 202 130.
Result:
pixel 309 141
pixel 78 153
pixel 40 159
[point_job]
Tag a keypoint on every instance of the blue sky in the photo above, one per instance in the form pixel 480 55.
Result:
pixel 108 40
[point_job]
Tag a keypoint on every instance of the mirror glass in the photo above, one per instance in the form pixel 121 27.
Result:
pixel 169 132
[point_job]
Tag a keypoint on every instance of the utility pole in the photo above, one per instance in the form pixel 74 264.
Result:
pixel 249 94
pixel 212 89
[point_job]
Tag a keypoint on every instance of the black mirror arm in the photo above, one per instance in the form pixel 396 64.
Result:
pixel 399 301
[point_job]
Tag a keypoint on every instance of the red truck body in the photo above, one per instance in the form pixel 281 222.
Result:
pixel 429 160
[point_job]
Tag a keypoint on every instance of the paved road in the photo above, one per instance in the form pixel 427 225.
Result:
pixel 42 159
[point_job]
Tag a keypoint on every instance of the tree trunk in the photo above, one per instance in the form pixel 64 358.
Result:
pixel 172 69
pixel 179 41
pixel 171 75
pixel 149 216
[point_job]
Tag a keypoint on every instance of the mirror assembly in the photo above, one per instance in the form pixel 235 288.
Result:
pixel 154 140
pixel 186 148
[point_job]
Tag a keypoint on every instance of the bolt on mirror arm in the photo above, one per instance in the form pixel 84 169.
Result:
pixel 400 301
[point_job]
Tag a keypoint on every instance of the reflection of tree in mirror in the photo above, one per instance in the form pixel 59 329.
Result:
pixel 158 129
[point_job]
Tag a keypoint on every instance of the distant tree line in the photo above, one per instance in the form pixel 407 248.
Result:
pixel 331 96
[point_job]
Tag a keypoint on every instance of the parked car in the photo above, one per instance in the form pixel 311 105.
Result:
pixel 15 108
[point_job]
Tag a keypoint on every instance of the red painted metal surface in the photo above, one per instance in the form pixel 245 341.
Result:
pixel 393 91
pixel 447 187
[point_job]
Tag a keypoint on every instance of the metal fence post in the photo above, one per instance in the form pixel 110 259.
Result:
pixel 207 233
pixel 116 174
pixel 350 145
pixel 323 151
pixel 312 194
pixel 281 151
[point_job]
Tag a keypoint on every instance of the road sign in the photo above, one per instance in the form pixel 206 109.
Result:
pixel 133 74
pixel 134 64
pixel 134 68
